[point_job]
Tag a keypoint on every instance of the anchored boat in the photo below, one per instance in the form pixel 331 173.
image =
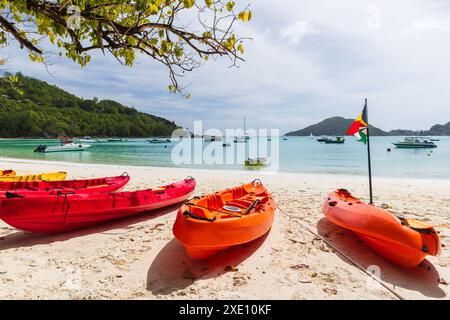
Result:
pixel 66 212
pixel 214 222
pixel 116 139
pixel 159 141
pixel 414 143
pixel 65 145
pixel 256 162
pixel 88 140
pixel 212 138
pixel 337 140
pixel 405 242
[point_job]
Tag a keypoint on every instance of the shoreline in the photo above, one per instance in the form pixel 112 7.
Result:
pixel 243 171
pixel 138 257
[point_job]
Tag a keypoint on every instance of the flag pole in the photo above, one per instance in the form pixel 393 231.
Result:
pixel 368 155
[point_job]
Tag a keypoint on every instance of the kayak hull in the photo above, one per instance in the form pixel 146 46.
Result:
pixel 404 242
pixel 52 176
pixel 39 188
pixel 63 213
pixel 205 238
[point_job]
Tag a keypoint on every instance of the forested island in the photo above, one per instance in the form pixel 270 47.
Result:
pixel 338 126
pixel 33 108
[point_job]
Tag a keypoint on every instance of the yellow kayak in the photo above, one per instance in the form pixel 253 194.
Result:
pixel 52 176
pixel 7 173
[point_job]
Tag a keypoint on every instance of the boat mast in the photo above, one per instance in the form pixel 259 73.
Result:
pixel 244 125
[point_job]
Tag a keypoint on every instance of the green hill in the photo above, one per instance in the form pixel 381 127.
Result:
pixel 335 126
pixel 39 109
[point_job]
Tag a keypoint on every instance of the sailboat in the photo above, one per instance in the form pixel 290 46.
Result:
pixel 243 138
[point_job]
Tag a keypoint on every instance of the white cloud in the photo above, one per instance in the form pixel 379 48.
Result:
pixel 429 24
pixel 296 31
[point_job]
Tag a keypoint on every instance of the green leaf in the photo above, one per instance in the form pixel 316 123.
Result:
pixel 230 5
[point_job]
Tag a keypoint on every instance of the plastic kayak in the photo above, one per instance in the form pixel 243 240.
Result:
pixel 405 242
pixel 61 213
pixel 214 222
pixel 7 173
pixel 39 188
pixel 52 176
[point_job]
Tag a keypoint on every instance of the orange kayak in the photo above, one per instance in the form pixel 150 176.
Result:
pixel 217 221
pixel 405 242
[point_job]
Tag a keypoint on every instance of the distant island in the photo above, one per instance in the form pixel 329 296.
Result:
pixel 35 108
pixel 337 126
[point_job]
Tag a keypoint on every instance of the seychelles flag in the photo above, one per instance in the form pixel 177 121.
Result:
pixel 359 127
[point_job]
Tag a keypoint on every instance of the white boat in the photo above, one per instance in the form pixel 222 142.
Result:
pixel 414 143
pixel 243 138
pixel 159 141
pixel 239 139
pixel 212 138
pixel 259 161
pixel 115 139
pixel 63 147
pixel 87 140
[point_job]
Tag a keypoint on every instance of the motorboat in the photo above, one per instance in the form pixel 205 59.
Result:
pixel 88 140
pixel 256 162
pixel 159 141
pixel 212 138
pixel 337 140
pixel 65 145
pixel 414 143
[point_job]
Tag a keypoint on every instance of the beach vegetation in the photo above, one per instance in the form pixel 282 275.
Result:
pixel 34 108
pixel 178 34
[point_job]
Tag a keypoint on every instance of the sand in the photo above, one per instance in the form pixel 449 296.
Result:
pixel 138 257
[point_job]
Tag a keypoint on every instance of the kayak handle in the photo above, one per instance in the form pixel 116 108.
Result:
pixel 125 174
pixel 194 216
pixel 256 183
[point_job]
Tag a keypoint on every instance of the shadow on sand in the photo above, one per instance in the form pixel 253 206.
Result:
pixel 20 239
pixel 174 270
pixel 423 278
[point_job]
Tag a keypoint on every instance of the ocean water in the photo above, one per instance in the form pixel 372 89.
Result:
pixel 296 155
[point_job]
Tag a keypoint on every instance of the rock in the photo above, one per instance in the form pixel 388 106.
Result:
pixel 330 291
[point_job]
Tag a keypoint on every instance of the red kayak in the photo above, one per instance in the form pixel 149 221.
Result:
pixel 61 213
pixel 39 188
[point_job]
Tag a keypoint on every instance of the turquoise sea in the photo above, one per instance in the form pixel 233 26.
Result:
pixel 296 155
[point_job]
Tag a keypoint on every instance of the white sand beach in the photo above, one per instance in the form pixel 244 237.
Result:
pixel 138 257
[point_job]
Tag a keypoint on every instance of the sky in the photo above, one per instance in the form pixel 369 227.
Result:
pixel 307 60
